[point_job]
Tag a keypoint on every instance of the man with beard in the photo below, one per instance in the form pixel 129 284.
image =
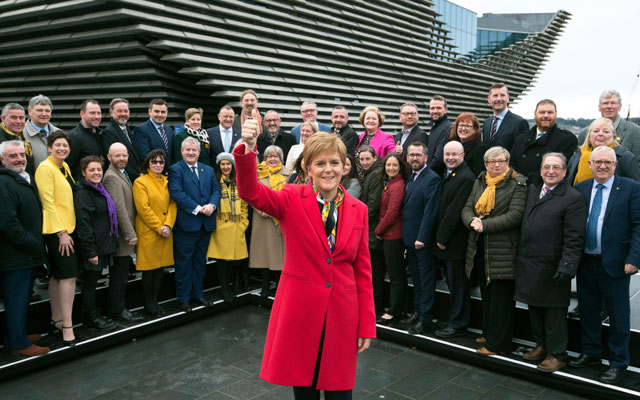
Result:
pixel 38 128
pixel 545 137
pixel 249 103
pixel 117 131
pixel 224 136
pixel 86 138
pixel 274 135
pixel 13 122
pixel 439 134
pixel 503 126
pixel 341 127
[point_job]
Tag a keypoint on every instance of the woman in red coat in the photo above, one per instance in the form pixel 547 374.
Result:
pixel 323 313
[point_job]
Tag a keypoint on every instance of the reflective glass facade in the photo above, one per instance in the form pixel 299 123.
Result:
pixel 462 23
pixel 489 41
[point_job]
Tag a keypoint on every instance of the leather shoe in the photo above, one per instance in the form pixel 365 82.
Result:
pixel 551 364
pixel 420 327
pixel 410 320
pixel 481 340
pixel 385 321
pixel 449 332
pixel 483 351
pixel 128 316
pixel 612 375
pixel 31 351
pixel 574 312
pixel 203 302
pixel 185 306
pixel 585 360
pixel 537 354
pixel 97 321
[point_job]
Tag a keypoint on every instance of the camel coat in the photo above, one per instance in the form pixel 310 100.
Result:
pixel 228 241
pixel 155 209
pixel 121 191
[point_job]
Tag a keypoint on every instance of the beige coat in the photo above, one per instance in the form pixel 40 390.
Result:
pixel 228 241
pixel 121 191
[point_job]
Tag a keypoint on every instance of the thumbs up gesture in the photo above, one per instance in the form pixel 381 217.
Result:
pixel 250 134
pixel 398 147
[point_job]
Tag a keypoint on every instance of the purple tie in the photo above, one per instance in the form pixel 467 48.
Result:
pixel 545 190
pixel 163 135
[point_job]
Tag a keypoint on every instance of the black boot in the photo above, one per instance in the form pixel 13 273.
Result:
pixel 266 283
pixel 223 277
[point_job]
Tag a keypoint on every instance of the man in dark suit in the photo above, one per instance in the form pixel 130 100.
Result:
pixel 12 127
pixel 422 195
pixel 411 132
pixel 551 245
pixel 195 189
pixel 21 245
pixel 439 133
pixel 611 256
pixel 503 126
pixel 451 237
pixel 86 138
pixel 274 135
pixel 224 136
pixel 342 128
pixel 155 134
pixel 309 112
pixel 545 137
pixel 117 131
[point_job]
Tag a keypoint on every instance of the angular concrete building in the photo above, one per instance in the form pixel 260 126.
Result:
pixel 204 53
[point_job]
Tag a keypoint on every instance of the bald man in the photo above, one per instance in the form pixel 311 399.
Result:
pixel 118 183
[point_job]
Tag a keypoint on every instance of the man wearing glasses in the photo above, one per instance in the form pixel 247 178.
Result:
pixel 411 132
pixel 545 137
pixel 274 135
pixel 309 112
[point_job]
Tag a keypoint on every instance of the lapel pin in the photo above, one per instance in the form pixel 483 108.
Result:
pixel 454 174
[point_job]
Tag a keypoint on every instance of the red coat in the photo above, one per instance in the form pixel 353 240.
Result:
pixel 390 225
pixel 318 290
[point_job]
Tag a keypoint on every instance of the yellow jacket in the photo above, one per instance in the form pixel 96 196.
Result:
pixel 56 196
pixel 154 209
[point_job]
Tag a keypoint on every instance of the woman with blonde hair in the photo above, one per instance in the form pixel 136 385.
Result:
pixel 192 128
pixel 382 142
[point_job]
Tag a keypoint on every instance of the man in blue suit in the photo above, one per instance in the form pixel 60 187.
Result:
pixel 611 256
pixel 309 112
pixel 503 126
pixel 194 188
pixel 155 134
pixel 224 136
pixel 421 200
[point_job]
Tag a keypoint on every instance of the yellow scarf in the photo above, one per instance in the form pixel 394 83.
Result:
pixel 487 200
pixel 276 180
pixel 230 203
pixel 584 171
pixel 18 136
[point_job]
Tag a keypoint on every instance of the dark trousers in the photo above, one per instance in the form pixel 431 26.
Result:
pixel 16 292
pixel 377 277
pixel 394 259
pixel 497 314
pixel 90 280
pixel 151 284
pixel 595 285
pixel 550 328
pixel 311 393
pixel 423 274
pixel 190 261
pixel 118 279
pixel 460 307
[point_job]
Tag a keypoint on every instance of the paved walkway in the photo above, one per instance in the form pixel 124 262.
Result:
pixel 219 358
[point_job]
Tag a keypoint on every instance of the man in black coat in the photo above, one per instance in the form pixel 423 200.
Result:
pixel 411 132
pixel 341 127
pixel 117 131
pixel 551 245
pixel 86 138
pixel 503 126
pixel 21 244
pixel 274 135
pixel 451 237
pixel 545 137
pixel 12 127
pixel 439 134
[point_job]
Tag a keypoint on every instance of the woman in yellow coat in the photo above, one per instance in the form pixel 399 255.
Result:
pixel 228 243
pixel 156 214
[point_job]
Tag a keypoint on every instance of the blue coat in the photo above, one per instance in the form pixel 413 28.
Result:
pixel 148 138
pixel 189 192
pixel 321 128
pixel 620 236
pixel 215 141
pixel 420 208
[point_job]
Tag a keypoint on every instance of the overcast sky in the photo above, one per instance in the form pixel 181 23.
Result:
pixel 599 49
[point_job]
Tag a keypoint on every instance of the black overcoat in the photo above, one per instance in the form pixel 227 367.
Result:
pixel 551 239
pixel 93 226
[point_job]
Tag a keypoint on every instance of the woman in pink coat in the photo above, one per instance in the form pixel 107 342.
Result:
pixel 382 142
pixel 323 313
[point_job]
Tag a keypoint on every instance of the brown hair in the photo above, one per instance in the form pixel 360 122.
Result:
pixel 191 112
pixel 374 109
pixel 59 134
pixel 85 161
pixel 464 117
pixel 153 154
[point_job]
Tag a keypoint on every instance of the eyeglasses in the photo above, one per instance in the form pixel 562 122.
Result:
pixel 465 127
pixel 598 163
pixel 552 167
pixel 157 162
pixel 409 114
pixel 272 156
pixel 496 162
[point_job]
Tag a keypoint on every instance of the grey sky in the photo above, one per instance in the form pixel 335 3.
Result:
pixel 598 50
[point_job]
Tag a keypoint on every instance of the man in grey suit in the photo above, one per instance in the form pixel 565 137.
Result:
pixel 503 126
pixel 627 133
pixel 38 128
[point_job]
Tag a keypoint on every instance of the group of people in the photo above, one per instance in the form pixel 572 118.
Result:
pixel 496 206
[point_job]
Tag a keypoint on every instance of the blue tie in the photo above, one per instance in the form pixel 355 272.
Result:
pixel 594 215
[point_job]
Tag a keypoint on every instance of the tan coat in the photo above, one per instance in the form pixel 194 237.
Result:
pixel 228 241
pixel 121 191
pixel 155 209
pixel 267 244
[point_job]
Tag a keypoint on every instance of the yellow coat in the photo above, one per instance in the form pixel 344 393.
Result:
pixel 228 241
pixel 56 196
pixel 154 209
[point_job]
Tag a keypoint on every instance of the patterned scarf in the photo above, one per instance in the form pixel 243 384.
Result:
pixel 329 212
pixel 384 189
pixel 200 134
pixel 254 114
pixel 487 200
pixel 276 180
pixel 230 203
pixel 18 136
pixel 111 206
